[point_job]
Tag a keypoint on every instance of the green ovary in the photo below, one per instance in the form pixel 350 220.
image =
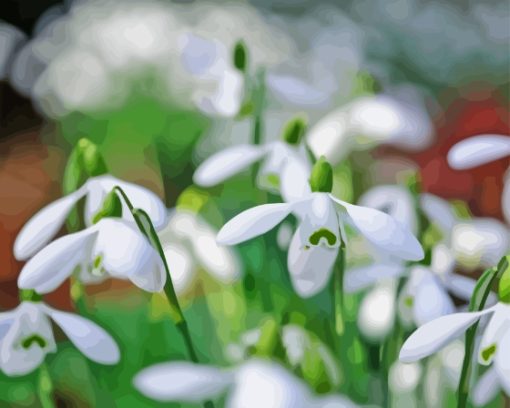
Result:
pixel 488 352
pixel 316 237
pixel 273 179
pixel 27 342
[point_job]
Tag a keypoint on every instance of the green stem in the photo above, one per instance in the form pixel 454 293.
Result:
pixel 338 289
pixel 45 387
pixel 477 303
pixel 145 225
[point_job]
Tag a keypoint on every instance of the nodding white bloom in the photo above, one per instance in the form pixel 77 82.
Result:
pixel 112 247
pixel 253 384
pixel 211 63
pixel 26 337
pixel 189 244
pixel 487 388
pixel 495 343
pixel 482 149
pixel 296 341
pixel 369 121
pixel 316 242
pixel 276 156
pixel 45 224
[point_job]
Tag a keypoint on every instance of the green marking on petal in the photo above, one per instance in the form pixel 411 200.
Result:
pixel 97 261
pixel 316 237
pixel 409 301
pixel 273 180
pixel 27 342
pixel 488 352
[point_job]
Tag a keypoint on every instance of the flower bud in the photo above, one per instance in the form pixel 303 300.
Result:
pixel 294 131
pixel 84 162
pixel 270 340
pixel 112 207
pixel 504 281
pixel 321 179
pixel 240 56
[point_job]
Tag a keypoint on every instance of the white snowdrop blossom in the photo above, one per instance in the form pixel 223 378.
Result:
pixel 493 349
pixel 369 121
pixel 316 242
pixel 26 337
pixel 482 149
pixel 112 247
pixel 273 175
pixel 189 244
pixel 253 384
pixel 46 223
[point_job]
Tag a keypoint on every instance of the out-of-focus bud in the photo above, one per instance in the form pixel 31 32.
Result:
pixel 294 131
pixel 504 281
pixel 240 56
pixel 270 343
pixel 321 179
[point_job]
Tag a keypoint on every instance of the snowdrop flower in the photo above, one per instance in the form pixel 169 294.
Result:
pixel 487 388
pixel 482 149
pixel 369 121
pixel 276 156
pixel 45 224
pixel 190 245
pixel 26 337
pixel 253 384
pixel 317 240
pixel 495 343
pixel 210 62
pixel 112 247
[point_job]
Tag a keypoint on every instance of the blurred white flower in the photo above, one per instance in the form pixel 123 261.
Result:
pixel 189 244
pixel 369 121
pixel 11 39
pixel 487 388
pixel 482 149
pixel 112 247
pixel 494 347
pixel 315 244
pixel 46 223
pixel 285 167
pixel 253 384
pixel 26 337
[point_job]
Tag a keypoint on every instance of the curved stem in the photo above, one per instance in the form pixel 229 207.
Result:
pixel 338 290
pixel 145 225
pixel 45 387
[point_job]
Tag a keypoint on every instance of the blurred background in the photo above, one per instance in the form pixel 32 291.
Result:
pixel 154 85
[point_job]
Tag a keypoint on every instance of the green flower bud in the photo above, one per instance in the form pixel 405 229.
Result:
pixel 270 342
pixel 93 161
pixel 112 207
pixel 504 281
pixel 294 131
pixel 240 56
pixel 29 295
pixel 321 179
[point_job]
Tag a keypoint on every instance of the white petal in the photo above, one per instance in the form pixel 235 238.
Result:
pixel 434 335
pixel 505 199
pixel 93 341
pixel 6 320
pixel 44 225
pixel 394 200
pixel 55 263
pixel 227 97
pixel 431 300
pixel 496 329
pixel 360 278
pixel 438 211
pixel 182 382
pixel 226 163
pixel 293 90
pixel 384 231
pixel 502 362
pixel 29 320
pixel 478 150
pixel 320 222
pixel 486 388
pixel 131 257
pixel 139 196
pixel 330 137
pixel 460 286
pixel 265 384
pixel 253 222
pixel 269 175
pixel 182 267
pixel 294 180
pixel 377 311
pixel 309 266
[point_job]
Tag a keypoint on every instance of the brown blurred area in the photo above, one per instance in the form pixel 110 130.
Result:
pixel 26 184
